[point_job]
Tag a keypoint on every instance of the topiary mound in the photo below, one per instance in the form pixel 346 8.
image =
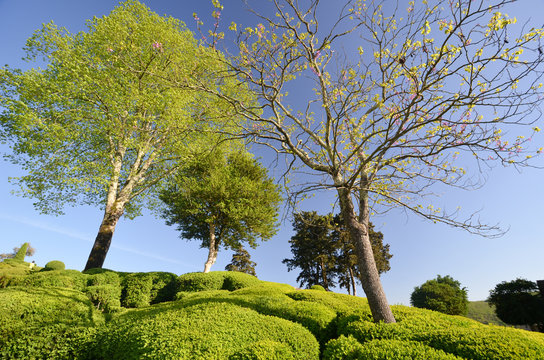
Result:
pixel 203 331
pixel 54 265
pixel 45 323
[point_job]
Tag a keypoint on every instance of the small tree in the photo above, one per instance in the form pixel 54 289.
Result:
pixel 518 302
pixel 28 251
pixel 223 199
pixel 442 294
pixel 241 261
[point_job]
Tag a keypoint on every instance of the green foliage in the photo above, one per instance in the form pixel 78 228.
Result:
pixel 238 280
pixel 202 331
pixel 443 294
pixel 54 265
pixel 241 262
pixel 143 289
pixel 454 335
pixel 45 323
pixel 227 195
pixel 343 348
pixel 483 312
pixel 265 350
pixel 324 253
pixel 69 279
pixel 518 302
pixel 21 253
pixel 201 281
pixel 105 297
pixel 317 287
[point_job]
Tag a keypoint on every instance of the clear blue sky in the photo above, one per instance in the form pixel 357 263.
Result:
pixel 421 249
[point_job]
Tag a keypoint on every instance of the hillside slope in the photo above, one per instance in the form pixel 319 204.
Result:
pixel 105 314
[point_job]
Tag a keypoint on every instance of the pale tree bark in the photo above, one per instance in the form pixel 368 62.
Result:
pixel 353 285
pixel 359 236
pixel 324 274
pixel 212 250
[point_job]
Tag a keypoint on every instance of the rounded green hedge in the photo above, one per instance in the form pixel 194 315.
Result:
pixel 265 350
pixel 452 334
pixel 54 265
pixel 204 331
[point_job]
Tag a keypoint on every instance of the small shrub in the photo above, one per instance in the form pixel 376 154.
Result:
pixel 343 348
pixel 264 350
pixel 164 287
pixel 69 279
pixel 105 297
pixel 201 282
pixel 317 287
pixel 20 255
pixel 54 265
pixel 234 280
pixel 136 290
pixel 104 278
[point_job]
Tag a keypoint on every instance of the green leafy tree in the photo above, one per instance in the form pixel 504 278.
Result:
pixel 224 199
pixel 322 250
pixel 29 251
pixel 313 250
pixel 518 302
pixel 443 294
pixel 99 125
pixel 241 261
pixel 381 104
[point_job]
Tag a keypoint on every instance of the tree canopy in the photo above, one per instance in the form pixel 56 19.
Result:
pixel 443 294
pixel 241 262
pixel 224 199
pixel 99 124
pixel 384 103
pixel 323 252
pixel 518 302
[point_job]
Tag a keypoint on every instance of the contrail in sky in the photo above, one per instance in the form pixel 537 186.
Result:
pixel 86 238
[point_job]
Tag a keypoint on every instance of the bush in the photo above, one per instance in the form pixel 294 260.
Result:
pixel 54 265
pixel 143 289
pixel 317 287
pixel 442 294
pixel 264 350
pixel 21 253
pixel 105 297
pixel 136 290
pixel 234 280
pixel 454 335
pixel 69 279
pixel 171 331
pixel 343 348
pixel 201 282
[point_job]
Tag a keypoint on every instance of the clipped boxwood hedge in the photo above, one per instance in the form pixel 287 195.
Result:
pixel 69 279
pixel 45 323
pixel 452 334
pixel 203 331
pixel 143 289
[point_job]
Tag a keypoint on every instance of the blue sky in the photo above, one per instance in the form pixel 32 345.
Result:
pixel 420 249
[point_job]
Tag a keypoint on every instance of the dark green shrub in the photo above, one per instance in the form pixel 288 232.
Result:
pixel 54 265
pixel 105 297
pixel 201 282
pixel 104 278
pixel 164 287
pixel 136 290
pixel 317 287
pixel 204 331
pixel 341 303
pixel 443 294
pixel 264 350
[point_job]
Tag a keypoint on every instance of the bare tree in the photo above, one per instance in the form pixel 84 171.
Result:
pixel 402 98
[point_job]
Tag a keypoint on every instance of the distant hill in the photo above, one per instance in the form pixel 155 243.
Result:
pixel 482 312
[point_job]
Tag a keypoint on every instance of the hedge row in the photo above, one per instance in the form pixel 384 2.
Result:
pixel 202 331
pixel 452 334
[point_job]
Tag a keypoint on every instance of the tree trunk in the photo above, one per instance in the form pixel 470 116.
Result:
pixel 103 239
pixel 212 251
pixel 359 235
pixel 324 274
pixel 352 277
